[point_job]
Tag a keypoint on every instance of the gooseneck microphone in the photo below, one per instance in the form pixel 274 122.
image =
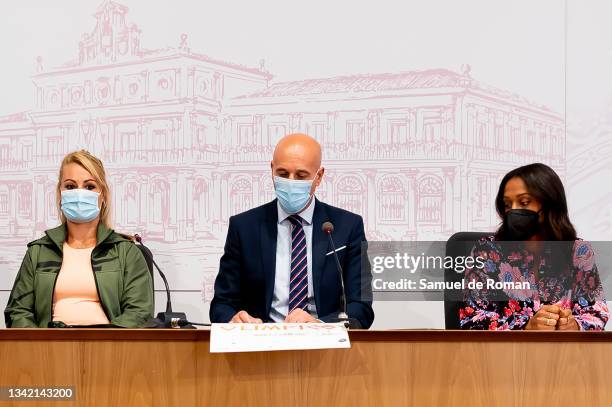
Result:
pixel 147 252
pixel 168 319
pixel 328 229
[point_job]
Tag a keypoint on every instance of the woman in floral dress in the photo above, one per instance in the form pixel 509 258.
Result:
pixel 536 245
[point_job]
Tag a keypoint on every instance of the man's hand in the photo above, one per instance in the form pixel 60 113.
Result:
pixel 298 315
pixel 244 317
pixel 545 319
pixel 566 321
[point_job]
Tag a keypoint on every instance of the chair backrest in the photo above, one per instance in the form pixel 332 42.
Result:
pixel 149 259
pixel 459 244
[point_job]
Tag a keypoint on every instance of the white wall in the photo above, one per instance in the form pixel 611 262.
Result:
pixel 553 53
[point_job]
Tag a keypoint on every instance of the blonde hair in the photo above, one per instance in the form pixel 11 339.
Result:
pixel 94 166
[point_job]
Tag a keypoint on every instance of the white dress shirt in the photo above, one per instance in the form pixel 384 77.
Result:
pixel 280 298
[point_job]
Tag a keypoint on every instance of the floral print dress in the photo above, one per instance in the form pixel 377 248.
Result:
pixel 578 288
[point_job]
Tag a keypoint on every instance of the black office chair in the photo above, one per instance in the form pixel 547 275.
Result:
pixel 459 244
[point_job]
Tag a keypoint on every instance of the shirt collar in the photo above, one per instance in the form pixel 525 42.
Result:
pixel 306 214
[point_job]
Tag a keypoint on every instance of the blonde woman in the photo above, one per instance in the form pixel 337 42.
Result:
pixel 81 272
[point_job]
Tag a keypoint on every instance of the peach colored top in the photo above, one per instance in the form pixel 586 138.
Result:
pixel 75 299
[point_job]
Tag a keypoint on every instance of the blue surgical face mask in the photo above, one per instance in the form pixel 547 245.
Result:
pixel 80 205
pixel 293 195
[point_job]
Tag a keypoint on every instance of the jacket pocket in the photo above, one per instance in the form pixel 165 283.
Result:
pixel 44 282
pixel 43 278
pixel 110 289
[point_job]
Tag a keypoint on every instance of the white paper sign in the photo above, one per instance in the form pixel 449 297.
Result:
pixel 268 337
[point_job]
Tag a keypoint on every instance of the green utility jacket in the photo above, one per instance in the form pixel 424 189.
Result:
pixel 123 281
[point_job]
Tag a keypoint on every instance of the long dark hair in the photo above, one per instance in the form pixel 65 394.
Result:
pixel 544 184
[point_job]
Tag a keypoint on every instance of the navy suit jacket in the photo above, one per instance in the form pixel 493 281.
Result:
pixel 248 265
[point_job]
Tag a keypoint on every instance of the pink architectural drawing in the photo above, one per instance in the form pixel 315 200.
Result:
pixel 588 168
pixel 187 139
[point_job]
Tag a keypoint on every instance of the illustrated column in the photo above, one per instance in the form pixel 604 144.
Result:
pixel 411 175
pixel 449 199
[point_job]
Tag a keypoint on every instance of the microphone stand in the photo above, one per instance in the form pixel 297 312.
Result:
pixel 343 317
pixel 169 318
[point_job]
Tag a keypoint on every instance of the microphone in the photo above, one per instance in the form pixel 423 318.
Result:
pixel 183 322
pixel 168 319
pixel 328 229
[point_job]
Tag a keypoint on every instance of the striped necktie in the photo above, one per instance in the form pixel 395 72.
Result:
pixel 298 283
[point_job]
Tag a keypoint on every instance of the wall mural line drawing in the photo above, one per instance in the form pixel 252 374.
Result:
pixel 187 139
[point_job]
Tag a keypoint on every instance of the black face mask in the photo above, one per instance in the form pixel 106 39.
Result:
pixel 521 224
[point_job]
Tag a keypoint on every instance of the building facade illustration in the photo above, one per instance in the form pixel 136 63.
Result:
pixel 187 140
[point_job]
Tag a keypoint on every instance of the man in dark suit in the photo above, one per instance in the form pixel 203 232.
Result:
pixel 277 264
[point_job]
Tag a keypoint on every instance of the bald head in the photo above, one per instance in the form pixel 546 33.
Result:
pixel 300 147
pixel 297 156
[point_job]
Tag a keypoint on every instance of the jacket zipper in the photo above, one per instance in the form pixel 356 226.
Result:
pixel 98 288
pixel 53 292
